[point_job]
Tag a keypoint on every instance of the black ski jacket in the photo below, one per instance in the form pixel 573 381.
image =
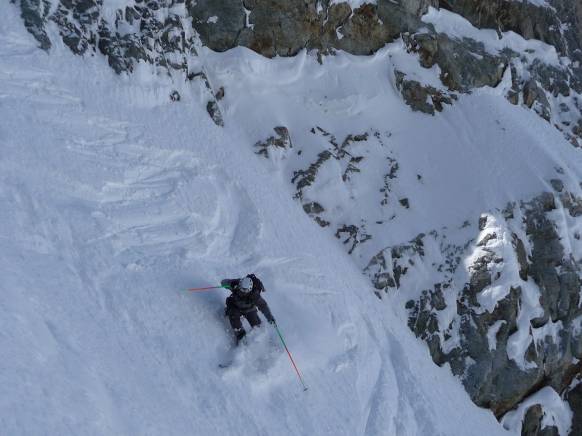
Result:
pixel 249 301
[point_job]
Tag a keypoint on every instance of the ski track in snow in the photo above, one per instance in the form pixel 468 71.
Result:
pixel 111 207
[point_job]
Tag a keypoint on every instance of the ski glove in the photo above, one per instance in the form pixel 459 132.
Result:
pixel 226 283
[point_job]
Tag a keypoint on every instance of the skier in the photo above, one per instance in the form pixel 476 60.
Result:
pixel 244 301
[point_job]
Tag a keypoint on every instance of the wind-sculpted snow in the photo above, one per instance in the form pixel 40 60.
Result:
pixel 113 200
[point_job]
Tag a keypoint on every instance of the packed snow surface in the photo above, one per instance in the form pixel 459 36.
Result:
pixel 115 200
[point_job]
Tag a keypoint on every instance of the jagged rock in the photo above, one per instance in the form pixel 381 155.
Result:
pixel 283 27
pixel 489 237
pixel 420 97
pixel 83 28
pixel 281 141
pixel 464 64
pixel 551 78
pixel 220 93
pixel 354 236
pixel 533 94
pixel 525 18
pixel 35 13
pixel 214 112
pixel 337 151
pixel 77 22
pixel 305 178
pixel 574 398
pixel 385 268
pixel 482 222
pixel 313 209
pixel 424 323
pixel 532 423
pixel 219 22
pixel 364 32
pixel 572 204
pixel 553 273
pixel 521 254
pixel 122 53
pixel 389 177
pixel 480 358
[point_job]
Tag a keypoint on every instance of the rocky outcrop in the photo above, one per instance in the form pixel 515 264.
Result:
pixel 419 97
pixel 164 33
pixel 552 92
pixel 157 33
pixel 35 14
pixel 532 423
pixel 284 27
pixel 574 398
pixel 557 23
pixel 513 326
pixel 336 150
pixel 465 64
pixel 281 141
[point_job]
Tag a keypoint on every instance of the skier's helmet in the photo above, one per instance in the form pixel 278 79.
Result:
pixel 245 285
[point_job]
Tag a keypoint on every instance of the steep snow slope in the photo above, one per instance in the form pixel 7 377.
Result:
pixel 404 192
pixel 113 201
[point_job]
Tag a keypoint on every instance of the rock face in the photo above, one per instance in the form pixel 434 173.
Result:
pixel 513 326
pixel 164 33
pixel 35 13
pixel 574 398
pixel 558 26
pixel 282 141
pixel 284 27
pixel 421 98
pixel 157 33
pixel 532 423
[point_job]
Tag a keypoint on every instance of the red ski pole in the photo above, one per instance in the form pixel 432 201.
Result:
pixel 207 288
pixel 290 358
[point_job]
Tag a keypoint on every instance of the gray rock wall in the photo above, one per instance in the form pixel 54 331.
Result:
pixel 558 26
pixel 537 260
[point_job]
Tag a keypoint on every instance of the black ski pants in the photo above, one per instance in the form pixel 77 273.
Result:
pixel 234 314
